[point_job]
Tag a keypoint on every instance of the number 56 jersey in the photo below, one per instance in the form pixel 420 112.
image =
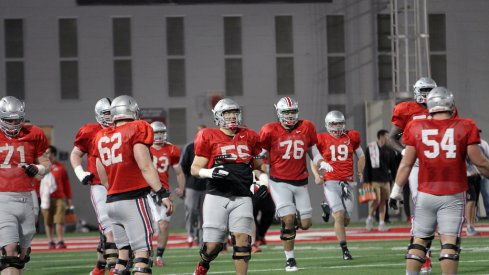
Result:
pixel 288 149
pixel 441 147
pixel 115 148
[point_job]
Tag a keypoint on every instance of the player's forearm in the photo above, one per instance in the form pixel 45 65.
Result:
pixel 150 175
pixel 76 157
pixel 403 174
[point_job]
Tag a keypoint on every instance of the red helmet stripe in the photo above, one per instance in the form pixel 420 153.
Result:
pixel 289 101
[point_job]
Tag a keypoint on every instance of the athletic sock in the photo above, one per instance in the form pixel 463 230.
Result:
pixel 343 245
pixel 160 251
pixel 289 254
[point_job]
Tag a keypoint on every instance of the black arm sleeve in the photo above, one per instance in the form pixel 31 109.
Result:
pixel 187 158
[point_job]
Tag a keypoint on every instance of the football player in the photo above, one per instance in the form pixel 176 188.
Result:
pixel 106 250
pixel 165 155
pixel 226 157
pixel 441 143
pixel 126 169
pixel 338 146
pixel 287 143
pixel 21 155
pixel 402 114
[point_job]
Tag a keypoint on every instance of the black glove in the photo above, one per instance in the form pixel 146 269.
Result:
pixel 87 179
pixel 345 191
pixel 326 211
pixel 261 193
pixel 31 170
pixel 160 195
pixel 219 172
pixel 393 204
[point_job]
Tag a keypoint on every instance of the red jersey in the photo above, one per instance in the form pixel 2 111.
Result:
pixel 288 149
pixel 23 149
pixel 407 111
pixel 441 147
pixel 164 157
pixel 338 152
pixel 84 141
pixel 212 142
pixel 63 187
pixel 115 148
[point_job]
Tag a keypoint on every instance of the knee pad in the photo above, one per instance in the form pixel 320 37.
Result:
pixel 143 269
pixel 122 272
pixel 209 257
pixel 287 234
pixel 241 252
pixel 113 255
pixel 14 261
pixel 449 256
pixel 409 256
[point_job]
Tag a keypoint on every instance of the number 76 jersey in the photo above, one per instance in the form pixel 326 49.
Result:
pixel 338 152
pixel 441 147
pixel 288 149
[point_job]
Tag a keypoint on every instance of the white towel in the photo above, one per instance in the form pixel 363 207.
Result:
pixel 48 186
pixel 374 154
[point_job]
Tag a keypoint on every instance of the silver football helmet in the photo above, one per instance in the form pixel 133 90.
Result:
pixel 124 107
pixel 335 123
pixel 287 111
pixel 422 87
pixel 12 113
pixel 160 134
pixel 440 99
pixel 102 112
pixel 224 105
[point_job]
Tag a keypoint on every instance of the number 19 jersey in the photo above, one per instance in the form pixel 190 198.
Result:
pixel 115 148
pixel 288 148
pixel 441 147
pixel 338 152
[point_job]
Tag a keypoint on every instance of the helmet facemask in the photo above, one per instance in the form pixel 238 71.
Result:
pixel 11 127
pixel 336 128
pixel 160 137
pixel 288 118
pixel 421 95
pixel 104 119
pixel 229 119
pixel 422 88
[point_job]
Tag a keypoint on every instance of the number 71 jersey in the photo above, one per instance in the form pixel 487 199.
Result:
pixel 287 149
pixel 441 147
pixel 338 152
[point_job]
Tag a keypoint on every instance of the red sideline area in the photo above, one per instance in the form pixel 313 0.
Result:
pixel 309 236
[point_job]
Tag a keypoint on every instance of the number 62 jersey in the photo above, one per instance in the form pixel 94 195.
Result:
pixel 114 147
pixel 441 147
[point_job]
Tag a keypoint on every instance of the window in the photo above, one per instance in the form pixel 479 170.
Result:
pixel 175 49
pixel 337 107
pixel 121 45
pixel 177 125
pixel 335 35
pixel 14 57
pixel 438 49
pixel 384 55
pixel 284 50
pixel 68 54
pixel 233 59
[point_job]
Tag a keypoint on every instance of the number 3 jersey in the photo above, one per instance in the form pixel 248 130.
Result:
pixel 164 157
pixel 84 141
pixel 338 152
pixel 441 147
pixel 238 153
pixel 23 149
pixel 287 150
pixel 114 146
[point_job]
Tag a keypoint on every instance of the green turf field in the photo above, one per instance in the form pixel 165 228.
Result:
pixel 379 257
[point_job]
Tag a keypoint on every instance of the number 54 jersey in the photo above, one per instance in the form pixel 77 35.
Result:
pixel 288 148
pixel 115 148
pixel 441 147
pixel 338 152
